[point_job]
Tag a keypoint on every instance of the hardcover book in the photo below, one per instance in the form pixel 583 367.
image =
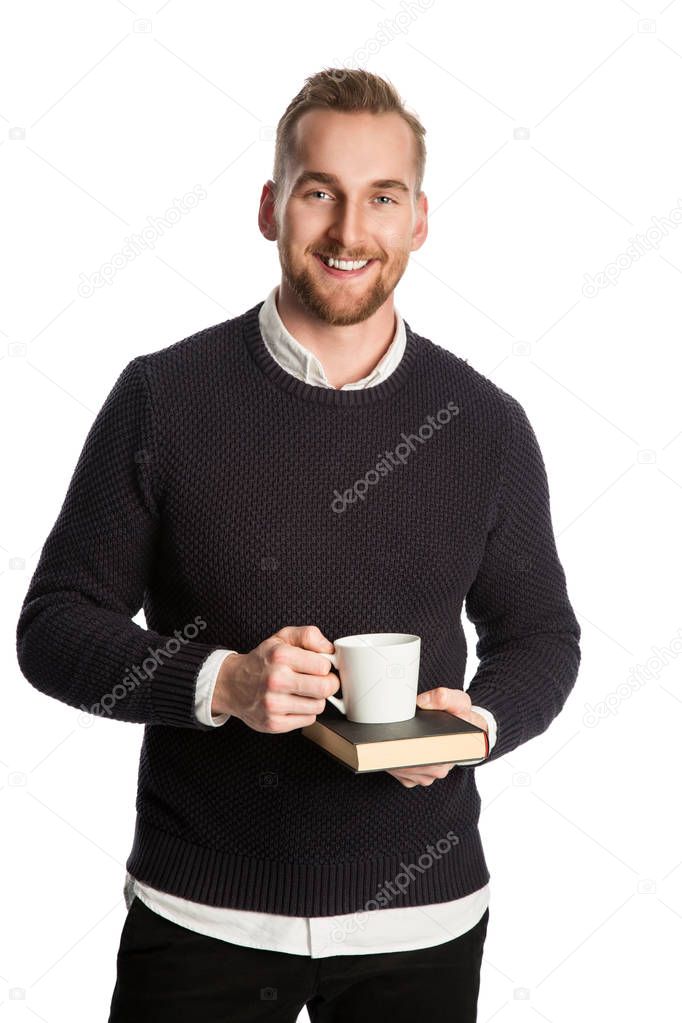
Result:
pixel 430 737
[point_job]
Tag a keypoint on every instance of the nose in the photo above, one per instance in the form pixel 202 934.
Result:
pixel 348 227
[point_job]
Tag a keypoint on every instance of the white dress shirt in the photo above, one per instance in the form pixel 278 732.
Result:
pixel 386 930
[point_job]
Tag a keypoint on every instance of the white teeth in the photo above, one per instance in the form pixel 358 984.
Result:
pixel 346 264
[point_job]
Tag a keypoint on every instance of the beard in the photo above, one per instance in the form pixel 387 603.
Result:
pixel 336 303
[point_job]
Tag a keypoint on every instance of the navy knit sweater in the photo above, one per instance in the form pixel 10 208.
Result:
pixel 229 499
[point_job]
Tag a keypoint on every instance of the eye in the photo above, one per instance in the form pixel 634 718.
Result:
pixel 320 191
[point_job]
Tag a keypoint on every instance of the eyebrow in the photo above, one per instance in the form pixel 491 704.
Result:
pixel 331 179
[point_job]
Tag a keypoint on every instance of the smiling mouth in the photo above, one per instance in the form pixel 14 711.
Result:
pixel 338 271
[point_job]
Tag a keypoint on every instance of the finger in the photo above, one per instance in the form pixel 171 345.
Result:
pixel 290 704
pixel 419 779
pixel 288 722
pixel 305 661
pixel 400 777
pixel 306 637
pixel 455 701
pixel 303 673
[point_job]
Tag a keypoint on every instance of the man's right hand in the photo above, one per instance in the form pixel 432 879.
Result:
pixel 280 685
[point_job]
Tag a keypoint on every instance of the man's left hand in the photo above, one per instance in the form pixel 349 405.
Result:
pixel 454 701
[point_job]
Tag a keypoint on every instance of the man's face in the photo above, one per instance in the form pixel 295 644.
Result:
pixel 358 213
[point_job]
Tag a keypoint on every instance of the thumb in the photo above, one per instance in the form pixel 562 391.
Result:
pixel 431 698
pixel 323 645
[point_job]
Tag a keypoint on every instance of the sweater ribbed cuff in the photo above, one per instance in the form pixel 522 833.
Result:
pixel 506 709
pixel 173 685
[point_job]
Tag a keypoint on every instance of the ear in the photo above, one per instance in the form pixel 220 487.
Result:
pixel 421 226
pixel 266 212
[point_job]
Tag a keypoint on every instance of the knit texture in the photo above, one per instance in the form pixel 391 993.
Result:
pixel 229 499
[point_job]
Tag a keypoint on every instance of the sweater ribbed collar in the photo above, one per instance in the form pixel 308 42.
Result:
pixel 326 395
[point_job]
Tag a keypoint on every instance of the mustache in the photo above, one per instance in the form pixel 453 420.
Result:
pixel 336 255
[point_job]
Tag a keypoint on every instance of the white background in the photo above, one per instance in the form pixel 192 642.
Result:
pixel 553 137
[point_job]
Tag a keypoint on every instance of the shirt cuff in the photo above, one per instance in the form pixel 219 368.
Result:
pixel 492 724
pixel 206 680
pixel 492 734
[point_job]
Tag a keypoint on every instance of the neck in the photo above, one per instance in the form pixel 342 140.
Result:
pixel 347 353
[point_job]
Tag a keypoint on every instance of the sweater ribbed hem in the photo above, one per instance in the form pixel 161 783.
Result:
pixel 327 395
pixel 204 875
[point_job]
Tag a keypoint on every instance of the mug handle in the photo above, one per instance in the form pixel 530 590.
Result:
pixel 336 700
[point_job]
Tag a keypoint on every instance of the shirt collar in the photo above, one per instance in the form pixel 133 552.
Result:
pixel 302 363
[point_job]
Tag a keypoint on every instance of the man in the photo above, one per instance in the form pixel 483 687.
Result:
pixel 312 460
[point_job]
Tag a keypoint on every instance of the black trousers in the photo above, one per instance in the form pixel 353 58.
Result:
pixel 169 973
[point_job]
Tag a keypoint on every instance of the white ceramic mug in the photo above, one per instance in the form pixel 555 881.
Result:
pixel 379 674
